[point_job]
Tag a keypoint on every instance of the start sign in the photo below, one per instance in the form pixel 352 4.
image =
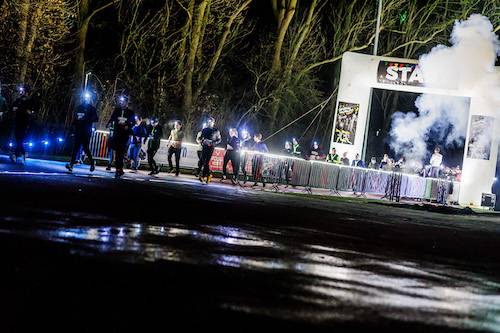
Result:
pixel 399 73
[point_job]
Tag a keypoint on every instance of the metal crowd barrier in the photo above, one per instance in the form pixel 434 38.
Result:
pixel 280 170
pixel 99 145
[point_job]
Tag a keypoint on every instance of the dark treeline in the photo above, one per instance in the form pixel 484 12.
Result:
pixel 258 63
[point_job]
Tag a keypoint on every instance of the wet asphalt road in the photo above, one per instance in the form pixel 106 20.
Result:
pixel 91 254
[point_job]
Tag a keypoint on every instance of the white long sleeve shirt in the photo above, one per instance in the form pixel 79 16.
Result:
pixel 436 160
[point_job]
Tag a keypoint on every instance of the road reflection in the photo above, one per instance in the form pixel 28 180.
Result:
pixel 325 282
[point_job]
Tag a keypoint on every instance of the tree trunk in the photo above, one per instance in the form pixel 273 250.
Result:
pixel 283 28
pixel 185 35
pixel 199 52
pixel 188 78
pixel 31 37
pixel 303 34
pixel 24 8
pixel 80 55
pixel 222 42
pixel 83 27
pixel 279 7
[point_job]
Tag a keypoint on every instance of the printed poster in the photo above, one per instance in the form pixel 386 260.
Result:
pixel 345 125
pixel 480 137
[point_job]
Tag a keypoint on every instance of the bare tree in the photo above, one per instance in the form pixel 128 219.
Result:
pixel 284 10
pixel 216 25
pixel 86 11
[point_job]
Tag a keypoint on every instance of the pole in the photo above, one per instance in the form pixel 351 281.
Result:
pixel 86 80
pixel 377 32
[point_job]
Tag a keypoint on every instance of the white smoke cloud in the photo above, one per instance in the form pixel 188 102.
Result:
pixel 468 65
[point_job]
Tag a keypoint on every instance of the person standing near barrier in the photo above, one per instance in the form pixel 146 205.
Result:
pixel 210 137
pixel 287 150
pixel 23 109
pixel 373 163
pixel 357 162
pixel 232 154
pixel 345 160
pixel 287 165
pixel 85 116
pixel 333 157
pixel 257 161
pixel 385 162
pixel 435 162
pixel 139 135
pixel 296 150
pixel 175 146
pixel 400 164
pixel 123 120
pixel 316 154
pixel 154 142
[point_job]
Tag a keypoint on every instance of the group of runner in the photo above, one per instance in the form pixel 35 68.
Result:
pixel 131 138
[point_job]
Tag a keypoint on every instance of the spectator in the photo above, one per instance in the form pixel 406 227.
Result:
pixel 333 157
pixel 400 164
pixel 384 163
pixel 457 173
pixel 344 160
pixel 316 154
pixel 435 162
pixel 288 149
pixel 357 162
pixel 373 163
pixel 296 150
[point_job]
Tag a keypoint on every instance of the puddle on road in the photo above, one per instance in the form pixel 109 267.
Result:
pixel 325 282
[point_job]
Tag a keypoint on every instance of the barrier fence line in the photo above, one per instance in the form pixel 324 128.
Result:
pixel 278 170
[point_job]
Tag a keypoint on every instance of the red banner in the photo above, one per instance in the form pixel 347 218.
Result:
pixel 217 160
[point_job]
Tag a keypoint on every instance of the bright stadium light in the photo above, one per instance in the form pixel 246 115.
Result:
pixel 60 139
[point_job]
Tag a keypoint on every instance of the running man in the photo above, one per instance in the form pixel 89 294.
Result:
pixel 122 121
pixel 232 154
pixel 153 145
pixel 85 117
pixel 210 137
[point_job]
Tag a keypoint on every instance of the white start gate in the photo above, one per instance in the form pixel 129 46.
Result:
pixel 362 73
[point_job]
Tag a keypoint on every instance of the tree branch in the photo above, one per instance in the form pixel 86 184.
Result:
pixel 334 59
